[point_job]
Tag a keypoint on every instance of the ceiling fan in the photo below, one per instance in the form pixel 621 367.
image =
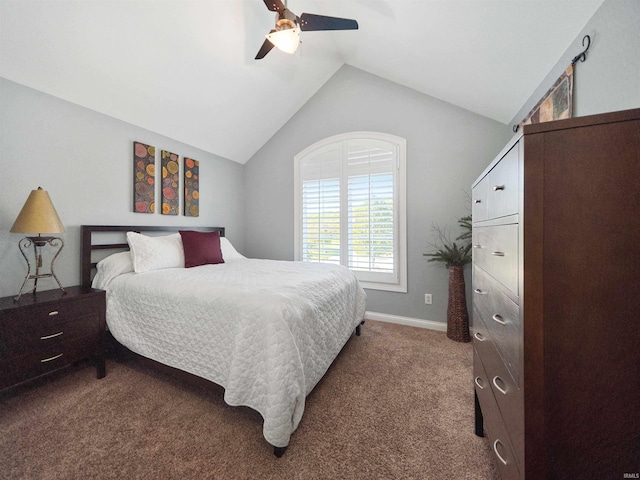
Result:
pixel 286 35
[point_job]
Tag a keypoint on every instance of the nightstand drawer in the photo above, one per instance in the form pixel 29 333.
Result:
pixel 19 368
pixel 40 317
pixel 17 336
pixel 43 332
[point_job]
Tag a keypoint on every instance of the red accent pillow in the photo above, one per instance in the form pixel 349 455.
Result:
pixel 201 248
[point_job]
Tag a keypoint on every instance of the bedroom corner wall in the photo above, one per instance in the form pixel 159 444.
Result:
pixel 447 148
pixel 609 80
pixel 84 160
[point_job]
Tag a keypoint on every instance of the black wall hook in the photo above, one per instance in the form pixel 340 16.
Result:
pixel 582 56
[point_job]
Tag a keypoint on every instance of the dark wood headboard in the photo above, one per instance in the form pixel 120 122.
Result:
pixel 87 265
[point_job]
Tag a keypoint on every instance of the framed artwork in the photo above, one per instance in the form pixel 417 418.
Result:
pixel 170 180
pixel 191 187
pixel 144 164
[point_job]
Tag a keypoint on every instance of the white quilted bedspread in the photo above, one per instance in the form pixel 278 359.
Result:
pixel 265 330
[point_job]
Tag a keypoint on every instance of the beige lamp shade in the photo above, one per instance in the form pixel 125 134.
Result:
pixel 38 215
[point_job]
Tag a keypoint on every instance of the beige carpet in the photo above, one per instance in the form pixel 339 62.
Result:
pixel 396 404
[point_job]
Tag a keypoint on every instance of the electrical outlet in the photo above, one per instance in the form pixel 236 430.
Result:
pixel 427 299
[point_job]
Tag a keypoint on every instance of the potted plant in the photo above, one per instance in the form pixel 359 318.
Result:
pixel 455 255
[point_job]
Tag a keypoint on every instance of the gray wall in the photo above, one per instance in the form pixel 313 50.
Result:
pixel 84 160
pixel 447 148
pixel 609 80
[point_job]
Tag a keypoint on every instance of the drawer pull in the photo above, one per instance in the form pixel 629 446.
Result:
pixel 495 384
pixel 497 254
pixel 55 312
pixel 478 201
pixel 51 358
pixel 497 188
pixel 51 336
pixel 477 246
pixel 479 292
pixel 499 319
pixel 478 382
pixel 479 337
pixel 495 449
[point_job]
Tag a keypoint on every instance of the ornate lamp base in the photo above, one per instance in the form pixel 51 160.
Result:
pixel 37 243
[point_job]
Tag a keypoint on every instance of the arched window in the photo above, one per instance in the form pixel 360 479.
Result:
pixel 350 206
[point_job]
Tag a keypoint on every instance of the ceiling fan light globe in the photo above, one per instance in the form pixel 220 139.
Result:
pixel 286 40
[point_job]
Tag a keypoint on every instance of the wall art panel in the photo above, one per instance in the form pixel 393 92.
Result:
pixel 170 182
pixel 191 187
pixel 144 164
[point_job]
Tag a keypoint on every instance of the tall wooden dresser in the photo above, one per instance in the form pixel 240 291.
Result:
pixel 556 310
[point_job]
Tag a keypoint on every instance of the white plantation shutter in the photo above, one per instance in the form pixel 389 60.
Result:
pixel 371 219
pixel 350 207
pixel 321 207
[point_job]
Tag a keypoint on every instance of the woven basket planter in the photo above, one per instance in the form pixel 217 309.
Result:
pixel 457 314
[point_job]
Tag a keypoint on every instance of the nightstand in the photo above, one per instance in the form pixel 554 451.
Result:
pixel 50 330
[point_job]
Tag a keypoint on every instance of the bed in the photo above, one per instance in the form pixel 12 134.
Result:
pixel 264 330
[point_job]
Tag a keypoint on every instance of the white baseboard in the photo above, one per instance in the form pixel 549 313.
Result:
pixel 413 322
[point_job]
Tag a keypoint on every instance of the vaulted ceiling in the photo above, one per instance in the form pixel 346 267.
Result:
pixel 186 68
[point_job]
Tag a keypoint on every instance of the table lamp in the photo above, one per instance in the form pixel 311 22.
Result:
pixel 38 215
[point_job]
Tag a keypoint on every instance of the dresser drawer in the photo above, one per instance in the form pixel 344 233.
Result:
pixel 496 194
pixel 501 317
pixel 494 425
pixel 502 186
pixel 481 339
pixel 479 200
pixel 480 331
pixel 495 249
pixel 506 393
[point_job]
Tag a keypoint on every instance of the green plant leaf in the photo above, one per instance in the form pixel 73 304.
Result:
pixel 449 252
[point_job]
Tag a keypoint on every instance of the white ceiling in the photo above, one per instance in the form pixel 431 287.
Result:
pixel 186 68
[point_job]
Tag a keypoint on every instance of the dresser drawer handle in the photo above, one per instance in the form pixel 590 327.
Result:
pixel 497 254
pixel 479 292
pixel 478 382
pixel 479 336
pixel 497 188
pixel 478 201
pixel 495 449
pixel 495 384
pixel 51 336
pixel 477 246
pixel 499 319
pixel 51 358
pixel 55 312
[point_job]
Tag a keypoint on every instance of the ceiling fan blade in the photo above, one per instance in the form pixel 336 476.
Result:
pixel 309 21
pixel 265 48
pixel 275 5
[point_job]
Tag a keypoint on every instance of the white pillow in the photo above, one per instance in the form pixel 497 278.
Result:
pixel 228 251
pixel 111 267
pixel 155 253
